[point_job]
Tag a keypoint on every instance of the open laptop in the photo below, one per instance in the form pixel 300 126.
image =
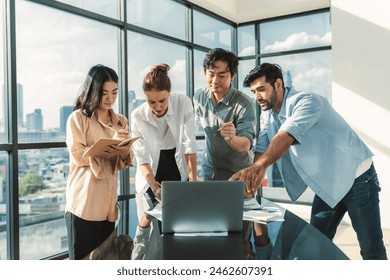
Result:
pixel 202 206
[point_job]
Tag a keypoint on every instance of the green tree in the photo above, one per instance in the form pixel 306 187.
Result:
pixel 31 183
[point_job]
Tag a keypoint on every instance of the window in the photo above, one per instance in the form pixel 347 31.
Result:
pixel 309 71
pixel 144 52
pixel 3 92
pixel 295 33
pixel 246 40
pixel 164 16
pixel 211 32
pixel 109 8
pixel 3 205
pixel 244 67
pixel 42 183
pixel 55 52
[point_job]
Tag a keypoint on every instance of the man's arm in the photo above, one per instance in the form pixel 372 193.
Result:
pixel 253 175
pixel 238 143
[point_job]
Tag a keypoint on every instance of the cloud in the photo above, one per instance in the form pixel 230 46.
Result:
pixel 247 51
pixel 299 41
pixel 316 79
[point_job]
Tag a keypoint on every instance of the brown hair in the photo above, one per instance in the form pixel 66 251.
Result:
pixel 157 78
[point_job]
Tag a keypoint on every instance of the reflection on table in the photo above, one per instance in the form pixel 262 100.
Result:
pixel 291 239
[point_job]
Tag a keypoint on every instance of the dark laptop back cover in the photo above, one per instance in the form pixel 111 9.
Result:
pixel 202 247
pixel 202 207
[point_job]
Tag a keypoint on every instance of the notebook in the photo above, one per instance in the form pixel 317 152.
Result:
pixel 209 207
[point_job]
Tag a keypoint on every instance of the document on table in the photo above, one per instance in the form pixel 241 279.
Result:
pixel 99 147
pixel 263 215
pixel 251 203
pixel 219 233
pixel 156 212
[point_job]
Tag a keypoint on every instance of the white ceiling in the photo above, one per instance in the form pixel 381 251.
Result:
pixel 241 11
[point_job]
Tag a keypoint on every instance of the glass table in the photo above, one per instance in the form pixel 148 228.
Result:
pixel 292 238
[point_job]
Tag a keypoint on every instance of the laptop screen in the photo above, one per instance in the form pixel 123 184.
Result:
pixel 202 206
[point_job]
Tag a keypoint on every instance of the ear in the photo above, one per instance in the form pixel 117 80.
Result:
pixel 233 76
pixel 278 84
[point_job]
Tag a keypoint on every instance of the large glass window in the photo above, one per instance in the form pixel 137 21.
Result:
pixel 295 33
pixel 244 67
pixel 309 71
pixel 55 52
pixel 144 52
pixel 199 75
pixel 199 82
pixel 42 183
pixel 3 93
pixel 211 32
pixel 164 16
pixel 108 8
pixel 3 205
pixel 246 40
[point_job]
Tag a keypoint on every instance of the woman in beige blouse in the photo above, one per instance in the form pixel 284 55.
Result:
pixel 91 191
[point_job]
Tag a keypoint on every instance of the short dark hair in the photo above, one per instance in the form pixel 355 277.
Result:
pixel 91 91
pixel 219 54
pixel 272 72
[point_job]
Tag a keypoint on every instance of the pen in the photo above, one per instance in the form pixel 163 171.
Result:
pixel 223 124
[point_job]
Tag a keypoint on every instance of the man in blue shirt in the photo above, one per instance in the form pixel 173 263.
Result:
pixel 314 146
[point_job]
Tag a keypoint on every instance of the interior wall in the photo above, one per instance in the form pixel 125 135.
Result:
pixel 361 69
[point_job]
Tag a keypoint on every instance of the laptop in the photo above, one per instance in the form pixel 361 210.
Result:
pixel 202 207
pixel 202 247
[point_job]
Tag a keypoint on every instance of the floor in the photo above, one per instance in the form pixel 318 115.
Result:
pixel 345 237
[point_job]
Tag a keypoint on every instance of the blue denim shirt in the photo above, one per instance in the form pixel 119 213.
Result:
pixel 327 153
pixel 220 161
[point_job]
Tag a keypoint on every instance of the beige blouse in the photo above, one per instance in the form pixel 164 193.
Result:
pixel 92 182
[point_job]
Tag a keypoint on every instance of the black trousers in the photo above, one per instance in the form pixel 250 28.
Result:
pixel 84 236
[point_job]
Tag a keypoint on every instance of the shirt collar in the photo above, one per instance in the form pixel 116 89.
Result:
pixel 149 114
pixel 288 91
pixel 114 117
pixel 225 100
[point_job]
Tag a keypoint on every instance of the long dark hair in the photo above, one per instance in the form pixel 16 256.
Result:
pixel 91 91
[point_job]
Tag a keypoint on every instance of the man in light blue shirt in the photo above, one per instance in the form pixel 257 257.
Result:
pixel 314 146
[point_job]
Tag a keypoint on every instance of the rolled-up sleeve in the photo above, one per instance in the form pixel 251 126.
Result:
pixel 263 139
pixel 76 140
pixel 189 129
pixel 246 122
pixel 305 111
pixel 141 154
